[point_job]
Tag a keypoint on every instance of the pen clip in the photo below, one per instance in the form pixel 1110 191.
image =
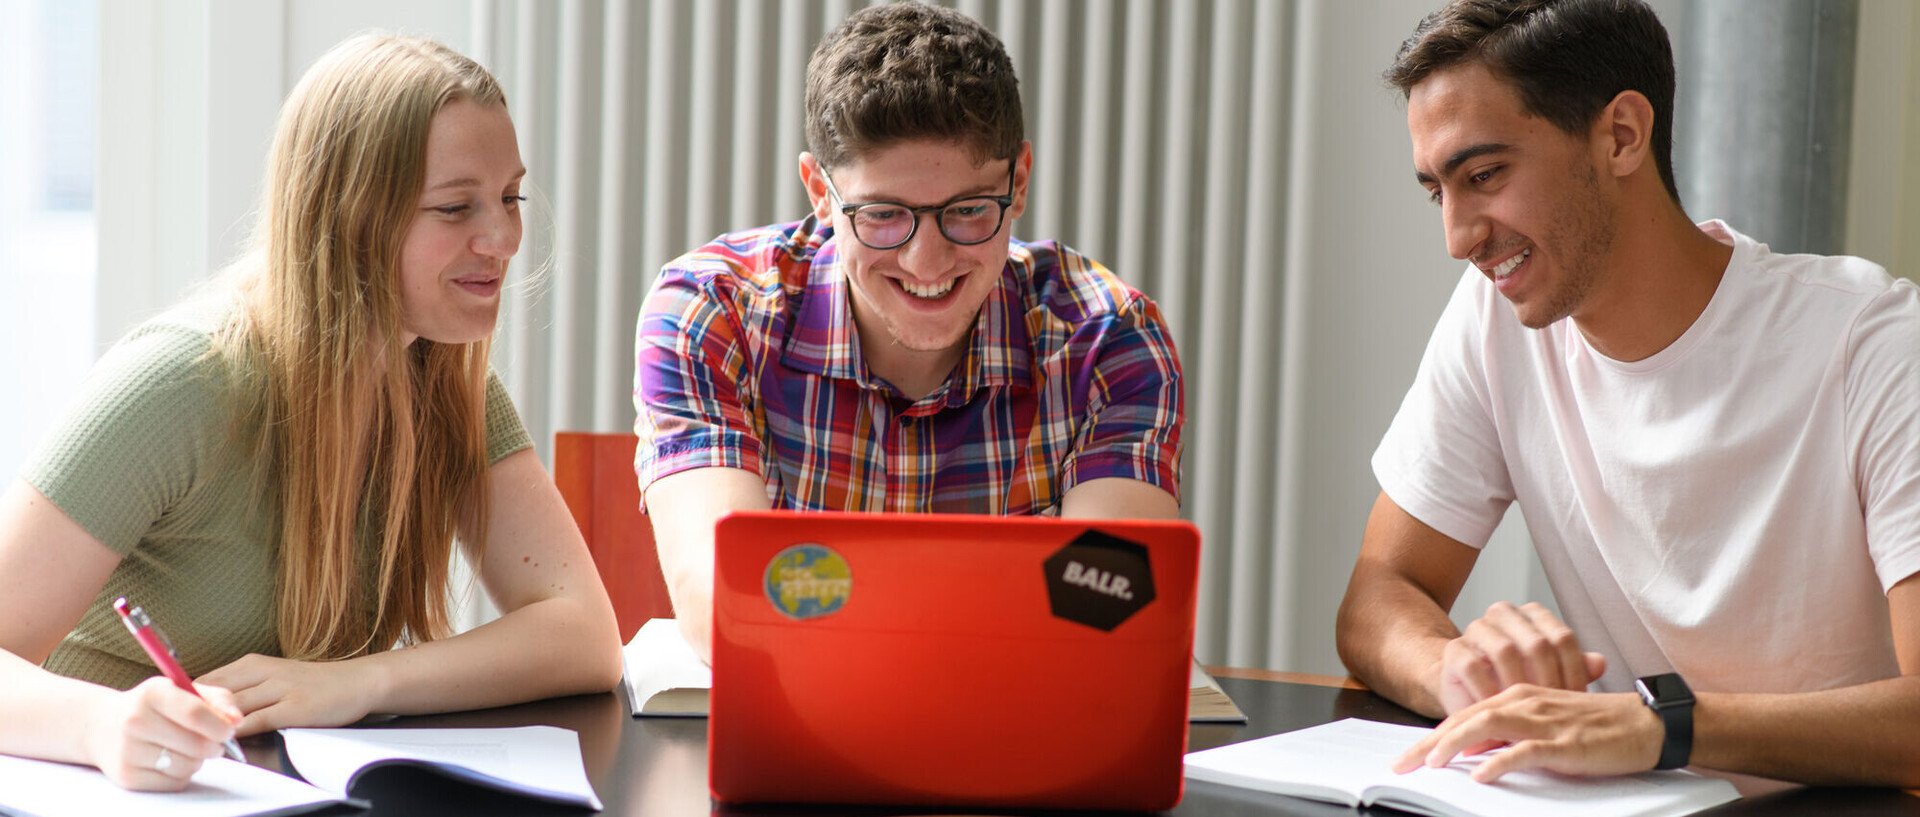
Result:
pixel 136 619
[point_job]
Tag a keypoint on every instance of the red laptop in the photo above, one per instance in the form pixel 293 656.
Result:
pixel 950 660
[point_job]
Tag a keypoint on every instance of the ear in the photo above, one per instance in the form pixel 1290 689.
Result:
pixel 1022 172
pixel 1624 129
pixel 814 179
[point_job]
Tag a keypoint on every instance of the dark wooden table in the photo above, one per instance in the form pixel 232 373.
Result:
pixel 658 766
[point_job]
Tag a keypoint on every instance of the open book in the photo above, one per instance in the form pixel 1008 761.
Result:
pixel 222 788
pixel 1348 762
pixel 541 762
pixel 663 675
pixel 665 678
pixel 1207 702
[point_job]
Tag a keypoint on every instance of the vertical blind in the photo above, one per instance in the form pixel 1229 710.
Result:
pixel 1160 137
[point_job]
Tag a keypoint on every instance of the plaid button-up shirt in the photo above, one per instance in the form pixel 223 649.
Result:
pixel 748 357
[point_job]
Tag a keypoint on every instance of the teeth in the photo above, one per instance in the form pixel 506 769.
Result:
pixel 934 291
pixel 1506 267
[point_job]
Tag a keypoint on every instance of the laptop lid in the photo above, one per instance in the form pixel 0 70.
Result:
pixel 930 659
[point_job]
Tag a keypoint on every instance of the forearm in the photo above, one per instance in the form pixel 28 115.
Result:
pixel 39 713
pixel 1861 735
pixel 1390 635
pixel 548 648
pixel 691 591
pixel 685 506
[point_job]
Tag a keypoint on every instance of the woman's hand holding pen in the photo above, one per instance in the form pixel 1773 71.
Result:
pixel 154 736
pixel 276 693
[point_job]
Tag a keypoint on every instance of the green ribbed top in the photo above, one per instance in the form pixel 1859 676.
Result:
pixel 151 461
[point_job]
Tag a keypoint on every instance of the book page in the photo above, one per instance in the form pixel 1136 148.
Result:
pixel 1318 762
pixel 538 761
pixel 1207 702
pixel 222 788
pixel 658 659
pixel 1531 792
pixel 1356 756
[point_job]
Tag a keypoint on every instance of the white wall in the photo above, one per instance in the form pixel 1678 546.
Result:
pixel 1883 202
pixel 46 257
pixel 190 91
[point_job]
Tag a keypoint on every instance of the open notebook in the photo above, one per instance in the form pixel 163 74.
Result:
pixel 1349 762
pixel 539 762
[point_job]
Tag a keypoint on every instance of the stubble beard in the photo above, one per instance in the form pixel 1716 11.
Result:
pixel 1585 227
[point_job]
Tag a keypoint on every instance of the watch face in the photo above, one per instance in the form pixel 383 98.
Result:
pixel 1667 689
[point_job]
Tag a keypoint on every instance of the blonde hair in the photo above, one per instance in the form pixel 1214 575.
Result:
pixel 316 346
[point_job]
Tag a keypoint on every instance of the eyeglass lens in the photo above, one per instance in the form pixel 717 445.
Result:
pixel 967 221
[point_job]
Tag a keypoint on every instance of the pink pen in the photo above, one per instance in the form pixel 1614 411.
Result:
pixel 161 651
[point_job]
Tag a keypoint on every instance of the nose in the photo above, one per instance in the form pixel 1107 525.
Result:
pixel 1465 227
pixel 928 251
pixel 499 237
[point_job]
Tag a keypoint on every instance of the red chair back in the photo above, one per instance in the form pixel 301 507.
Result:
pixel 595 475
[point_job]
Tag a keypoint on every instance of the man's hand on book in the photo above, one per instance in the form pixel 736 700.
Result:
pixel 1554 729
pixel 1513 645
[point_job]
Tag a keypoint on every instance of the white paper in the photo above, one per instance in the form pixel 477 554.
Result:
pixel 222 788
pixel 1356 756
pixel 658 659
pixel 540 761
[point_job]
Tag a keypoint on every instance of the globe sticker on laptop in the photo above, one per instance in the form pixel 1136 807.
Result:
pixel 808 581
pixel 1099 580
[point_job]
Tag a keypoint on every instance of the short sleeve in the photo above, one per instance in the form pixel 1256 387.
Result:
pixel 691 380
pixel 1883 419
pixel 132 444
pixel 1441 460
pixel 1137 402
pixel 506 434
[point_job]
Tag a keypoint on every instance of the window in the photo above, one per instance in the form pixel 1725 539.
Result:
pixel 48 67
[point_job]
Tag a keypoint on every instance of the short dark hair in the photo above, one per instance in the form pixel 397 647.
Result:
pixel 906 71
pixel 1567 58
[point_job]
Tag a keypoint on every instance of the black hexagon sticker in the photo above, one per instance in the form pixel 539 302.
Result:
pixel 1099 580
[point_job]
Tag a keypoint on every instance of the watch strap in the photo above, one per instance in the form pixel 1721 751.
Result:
pixel 1678 746
pixel 1670 698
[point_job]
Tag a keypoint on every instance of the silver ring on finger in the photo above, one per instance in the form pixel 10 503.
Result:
pixel 164 762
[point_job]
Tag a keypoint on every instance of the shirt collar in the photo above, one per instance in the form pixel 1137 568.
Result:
pixel 823 340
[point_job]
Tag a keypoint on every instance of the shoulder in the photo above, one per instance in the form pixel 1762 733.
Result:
pixel 151 416
pixel 1818 300
pixel 1077 290
pixel 762 265
pixel 169 362
pixel 1839 283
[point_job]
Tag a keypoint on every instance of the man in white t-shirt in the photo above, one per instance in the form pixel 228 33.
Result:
pixel 1716 447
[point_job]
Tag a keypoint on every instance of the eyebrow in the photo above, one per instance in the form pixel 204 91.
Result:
pixel 984 190
pixel 1464 156
pixel 469 181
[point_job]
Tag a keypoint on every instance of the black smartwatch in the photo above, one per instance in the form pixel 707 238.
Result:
pixel 1671 699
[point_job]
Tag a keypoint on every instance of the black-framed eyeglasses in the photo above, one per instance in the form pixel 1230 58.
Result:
pixel 884 225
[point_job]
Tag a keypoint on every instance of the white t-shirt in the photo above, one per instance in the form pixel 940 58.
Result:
pixel 1733 508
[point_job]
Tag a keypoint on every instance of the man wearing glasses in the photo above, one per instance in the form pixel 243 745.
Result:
pixel 897 350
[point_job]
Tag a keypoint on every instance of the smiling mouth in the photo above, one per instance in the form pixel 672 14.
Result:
pixel 479 284
pixel 1505 268
pixel 928 292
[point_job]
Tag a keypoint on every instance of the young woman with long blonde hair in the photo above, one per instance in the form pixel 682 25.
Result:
pixel 278 471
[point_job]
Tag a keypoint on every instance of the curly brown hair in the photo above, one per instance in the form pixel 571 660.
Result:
pixel 908 71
